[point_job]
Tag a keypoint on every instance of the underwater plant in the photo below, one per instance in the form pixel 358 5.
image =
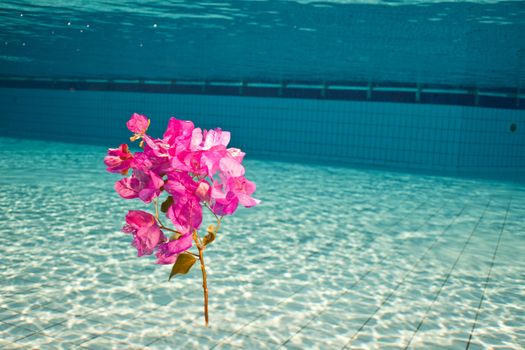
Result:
pixel 197 171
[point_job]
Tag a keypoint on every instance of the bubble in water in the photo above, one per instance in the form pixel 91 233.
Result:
pixel 23 44
pixel 82 30
pixel 21 15
pixel 87 25
pixel 155 25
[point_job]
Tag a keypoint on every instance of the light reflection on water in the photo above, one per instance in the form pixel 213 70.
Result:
pixel 333 256
pixel 472 43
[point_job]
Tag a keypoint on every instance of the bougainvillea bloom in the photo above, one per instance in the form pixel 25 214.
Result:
pixel 187 170
pixel 169 251
pixel 192 165
pixel 138 124
pixel 118 159
pixel 145 185
pixel 147 235
pixel 185 212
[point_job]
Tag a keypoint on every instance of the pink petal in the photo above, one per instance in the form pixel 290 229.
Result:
pixel 247 201
pixel 147 238
pixel 196 139
pixel 138 124
pixel 185 213
pixel 123 188
pixel 178 131
pixel 118 159
pixel 236 154
pixel 168 252
pixel 139 218
pixel 226 206
pixel 146 233
pixel 216 137
pixel 231 167
pixel 203 191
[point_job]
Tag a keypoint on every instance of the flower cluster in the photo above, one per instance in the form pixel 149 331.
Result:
pixel 194 167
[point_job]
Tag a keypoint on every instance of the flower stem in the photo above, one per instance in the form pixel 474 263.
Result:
pixel 161 225
pixel 203 269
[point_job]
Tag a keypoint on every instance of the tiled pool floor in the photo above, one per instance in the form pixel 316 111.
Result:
pixel 334 258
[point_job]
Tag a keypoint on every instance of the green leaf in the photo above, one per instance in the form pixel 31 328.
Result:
pixel 183 264
pixel 210 237
pixel 166 204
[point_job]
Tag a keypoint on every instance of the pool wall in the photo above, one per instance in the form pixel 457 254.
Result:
pixel 448 138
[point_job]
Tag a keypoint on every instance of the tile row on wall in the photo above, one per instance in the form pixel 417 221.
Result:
pixel 505 98
pixel 415 136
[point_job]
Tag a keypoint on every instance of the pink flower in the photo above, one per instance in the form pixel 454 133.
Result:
pixel 231 167
pixel 169 251
pixel 215 137
pixel 156 147
pixel 147 235
pixel 189 161
pixel 145 185
pixel 186 211
pixel 156 156
pixel 194 166
pixel 178 133
pixel 226 205
pixel 236 154
pixel 118 159
pixel 242 188
pixel 223 203
pixel 211 159
pixel 138 124
pixel 225 199
pixel 141 161
pixel 203 191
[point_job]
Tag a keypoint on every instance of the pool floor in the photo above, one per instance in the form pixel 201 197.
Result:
pixel 334 258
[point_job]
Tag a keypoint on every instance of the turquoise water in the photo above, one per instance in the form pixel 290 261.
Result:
pixel 474 43
pixel 334 258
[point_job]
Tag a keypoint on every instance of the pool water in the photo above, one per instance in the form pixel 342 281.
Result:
pixel 333 258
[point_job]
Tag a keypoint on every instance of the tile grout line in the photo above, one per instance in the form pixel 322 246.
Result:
pixel 303 287
pixel 414 267
pixel 375 266
pixel 446 278
pixel 80 318
pixel 488 277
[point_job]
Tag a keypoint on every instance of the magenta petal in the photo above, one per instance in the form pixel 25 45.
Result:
pixel 148 185
pixel 168 252
pixel 211 158
pixel 226 206
pixel 118 159
pixel 185 213
pixel 203 191
pixel 147 238
pixel 216 137
pixel 236 154
pixel 141 162
pixel 196 139
pixel 178 131
pixel 147 235
pixel 138 124
pixel 231 167
pixel 243 188
pixel 247 201
pixel 139 218
pixel 123 188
